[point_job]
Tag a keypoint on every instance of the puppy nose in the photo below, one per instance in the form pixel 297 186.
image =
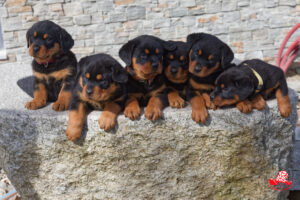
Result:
pixel 154 65
pixel 174 70
pixel 89 91
pixel 36 49
pixel 197 68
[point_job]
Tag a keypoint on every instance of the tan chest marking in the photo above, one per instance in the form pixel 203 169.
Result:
pixel 200 86
pixel 58 75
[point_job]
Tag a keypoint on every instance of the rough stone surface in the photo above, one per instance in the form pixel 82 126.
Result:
pixel 232 156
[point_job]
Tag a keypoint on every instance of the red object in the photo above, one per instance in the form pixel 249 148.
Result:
pixel 46 63
pixel 284 61
pixel 273 182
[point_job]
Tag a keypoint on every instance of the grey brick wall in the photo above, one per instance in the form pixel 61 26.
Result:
pixel 253 28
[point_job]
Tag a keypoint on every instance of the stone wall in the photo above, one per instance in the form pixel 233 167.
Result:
pixel 253 28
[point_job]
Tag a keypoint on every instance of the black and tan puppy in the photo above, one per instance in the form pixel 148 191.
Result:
pixel 249 84
pixel 146 84
pixel 100 85
pixel 176 64
pixel 208 58
pixel 54 65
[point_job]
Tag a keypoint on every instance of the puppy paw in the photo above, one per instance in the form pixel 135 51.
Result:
pixel 107 120
pixel 132 112
pixel 153 113
pixel 62 102
pixel 208 103
pixel 285 109
pixel 73 134
pixel 199 116
pixel 60 105
pixel 34 104
pixel 244 106
pixel 258 103
pixel 176 102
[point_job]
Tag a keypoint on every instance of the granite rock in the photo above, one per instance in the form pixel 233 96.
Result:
pixel 232 156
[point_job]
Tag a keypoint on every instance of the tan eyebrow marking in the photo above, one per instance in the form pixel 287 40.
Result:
pixel 87 75
pixel 181 58
pixel 157 51
pixel 199 52
pixel 171 56
pixel 222 85
pixel 147 51
pixel 99 77
pixel 210 57
pixel 34 34
pixel 45 36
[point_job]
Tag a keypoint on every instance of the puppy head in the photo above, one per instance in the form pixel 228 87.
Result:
pixel 45 39
pixel 207 54
pixel 100 76
pixel 176 63
pixel 144 55
pixel 232 86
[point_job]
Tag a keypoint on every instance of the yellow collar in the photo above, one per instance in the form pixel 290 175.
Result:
pixel 259 78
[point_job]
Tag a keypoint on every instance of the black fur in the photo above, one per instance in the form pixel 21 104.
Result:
pixel 241 81
pixel 112 73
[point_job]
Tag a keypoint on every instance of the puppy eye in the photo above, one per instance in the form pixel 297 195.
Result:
pixel 237 84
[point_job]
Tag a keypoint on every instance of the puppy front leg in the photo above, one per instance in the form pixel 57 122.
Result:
pixel 258 102
pixel 108 117
pixel 175 101
pixel 199 112
pixel 154 108
pixel 132 108
pixel 208 102
pixel 63 101
pixel 283 99
pixel 244 106
pixel 77 116
pixel 40 96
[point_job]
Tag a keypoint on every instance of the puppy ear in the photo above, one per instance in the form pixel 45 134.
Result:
pixel 194 37
pixel 66 40
pixel 167 45
pixel 126 51
pixel 28 37
pixel 226 56
pixel 119 74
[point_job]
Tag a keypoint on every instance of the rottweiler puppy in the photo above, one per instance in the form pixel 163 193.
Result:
pixel 208 58
pixel 100 85
pixel 54 65
pixel 249 84
pixel 146 84
pixel 176 64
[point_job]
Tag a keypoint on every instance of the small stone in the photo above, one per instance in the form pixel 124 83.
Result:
pixel 229 5
pixel 9 3
pixel 72 9
pixel 55 7
pixel 82 19
pixel 123 2
pixel 55 1
pixel 136 12
pixel 178 12
pixel 19 9
pixel 188 3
